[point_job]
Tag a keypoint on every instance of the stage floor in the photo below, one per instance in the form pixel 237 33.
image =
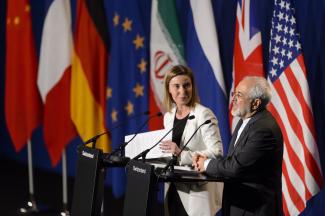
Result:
pixel 48 191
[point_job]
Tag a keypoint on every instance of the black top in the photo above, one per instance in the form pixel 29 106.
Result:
pixel 178 131
pixel 175 206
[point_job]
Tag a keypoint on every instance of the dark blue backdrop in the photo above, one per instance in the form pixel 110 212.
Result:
pixel 310 18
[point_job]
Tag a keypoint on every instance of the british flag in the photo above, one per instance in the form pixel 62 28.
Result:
pixel 248 51
pixel 291 106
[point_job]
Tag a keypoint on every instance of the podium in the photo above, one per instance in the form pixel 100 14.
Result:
pixel 89 181
pixel 140 194
pixel 142 179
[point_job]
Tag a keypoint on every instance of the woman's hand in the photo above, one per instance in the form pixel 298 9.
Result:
pixel 169 146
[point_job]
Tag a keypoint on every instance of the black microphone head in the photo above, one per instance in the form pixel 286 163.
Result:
pixel 207 121
pixel 191 117
pixel 159 114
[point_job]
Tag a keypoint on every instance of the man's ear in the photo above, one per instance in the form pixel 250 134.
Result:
pixel 256 103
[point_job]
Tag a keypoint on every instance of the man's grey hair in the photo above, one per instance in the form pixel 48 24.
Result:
pixel 260 89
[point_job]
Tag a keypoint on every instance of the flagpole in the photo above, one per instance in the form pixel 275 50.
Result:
pixel 102 207
pixel 65 211
pixel 31 204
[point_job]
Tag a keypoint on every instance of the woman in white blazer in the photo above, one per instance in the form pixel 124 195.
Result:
pixel 181 101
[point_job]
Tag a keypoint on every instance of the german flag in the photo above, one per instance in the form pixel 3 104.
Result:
pixel 89 68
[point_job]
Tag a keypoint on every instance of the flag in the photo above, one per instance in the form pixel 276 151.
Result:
pixel 203 57
pixel 23 107
pixel 89 68
pixel 248 51
pixel 166 50
pixel 128 77
pixel 54 74
pixel 291 106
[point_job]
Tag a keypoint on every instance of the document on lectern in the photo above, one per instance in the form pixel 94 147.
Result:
pixel 145 141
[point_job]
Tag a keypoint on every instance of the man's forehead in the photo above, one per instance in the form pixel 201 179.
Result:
pixel 244 85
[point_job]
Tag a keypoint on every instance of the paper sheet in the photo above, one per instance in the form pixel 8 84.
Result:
pixel 144 141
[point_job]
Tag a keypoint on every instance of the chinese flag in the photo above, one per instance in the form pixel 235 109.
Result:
pixel 23 109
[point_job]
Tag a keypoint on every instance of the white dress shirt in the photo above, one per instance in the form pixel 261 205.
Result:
pixel 241 129
pixel 206 162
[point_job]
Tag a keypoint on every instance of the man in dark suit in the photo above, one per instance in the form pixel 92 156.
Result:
pixel 253 166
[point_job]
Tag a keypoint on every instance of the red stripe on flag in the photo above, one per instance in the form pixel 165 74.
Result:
pixel 294 195
pixel 293 157
pixel 318 174
pixel 285 206
pixel 301 62
pixel 296 126
pixel 307 114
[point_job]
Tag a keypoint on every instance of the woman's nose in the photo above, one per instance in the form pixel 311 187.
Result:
pixel 182 90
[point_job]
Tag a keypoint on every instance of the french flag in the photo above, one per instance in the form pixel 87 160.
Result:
pixel 54 78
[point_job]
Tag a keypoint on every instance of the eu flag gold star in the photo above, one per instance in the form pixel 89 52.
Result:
pixel 108 92
pixel 138 90
pixel 129 108
pixel 127 25
pixel 116 19
pixel 138 42
pixel 114 115
pixel 142 65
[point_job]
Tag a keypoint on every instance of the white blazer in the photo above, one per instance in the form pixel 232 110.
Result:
pixel 198 198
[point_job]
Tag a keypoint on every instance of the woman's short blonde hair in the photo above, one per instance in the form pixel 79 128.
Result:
pixel 178 70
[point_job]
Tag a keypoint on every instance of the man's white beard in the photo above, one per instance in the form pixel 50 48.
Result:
pixel 235 113
pixel 240 113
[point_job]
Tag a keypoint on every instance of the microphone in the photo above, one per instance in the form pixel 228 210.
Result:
pixel 172 161
pixel 145 152
pixel 94 139
pixel 112 157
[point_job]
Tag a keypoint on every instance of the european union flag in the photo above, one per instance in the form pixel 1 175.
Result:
pixel 128 75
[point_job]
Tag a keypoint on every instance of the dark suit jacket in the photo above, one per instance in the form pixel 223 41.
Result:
pixel 252 169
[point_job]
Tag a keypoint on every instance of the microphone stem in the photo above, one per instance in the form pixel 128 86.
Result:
pixel 145 152
pixel 174 158
pixel 94 139
pixel 142 126
pixel 171 164
pixel 122 147
pixel 93 143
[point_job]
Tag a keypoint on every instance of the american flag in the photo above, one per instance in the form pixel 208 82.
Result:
pixel 291 106
pixel 248 51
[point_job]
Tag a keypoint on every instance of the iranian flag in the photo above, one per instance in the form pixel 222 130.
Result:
pixel 166 50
